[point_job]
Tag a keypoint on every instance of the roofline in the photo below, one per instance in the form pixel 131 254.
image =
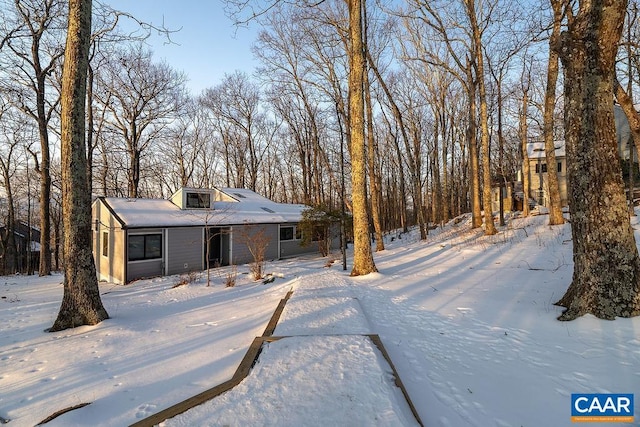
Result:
pixel 144 227
pixel 106 204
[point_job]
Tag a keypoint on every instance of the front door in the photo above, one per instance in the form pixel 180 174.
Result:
pixel 217 246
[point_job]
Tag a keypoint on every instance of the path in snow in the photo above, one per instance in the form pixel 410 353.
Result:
pixel 324 360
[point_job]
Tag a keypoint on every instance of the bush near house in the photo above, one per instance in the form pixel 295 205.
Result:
pixel 316 226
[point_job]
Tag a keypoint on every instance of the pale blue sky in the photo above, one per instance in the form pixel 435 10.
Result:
pixel 208 45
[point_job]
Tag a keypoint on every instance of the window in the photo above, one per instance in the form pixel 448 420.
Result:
pixel 145 246
pixel 198 200
pixel 559 167
pixel 105 243
pixel 544 167
pixel 286 233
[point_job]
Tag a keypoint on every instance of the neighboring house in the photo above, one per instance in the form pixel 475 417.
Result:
pixel 136 238
pixel 27 248
pixel 538 182
pixel 507 197
pixel 512 192
pixel 538 166
pixel 538 176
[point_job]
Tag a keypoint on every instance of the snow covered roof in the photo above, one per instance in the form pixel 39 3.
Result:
pixel 250 208
pixel 535 150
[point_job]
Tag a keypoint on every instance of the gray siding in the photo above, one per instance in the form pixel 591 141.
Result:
pixel 242 235
pixel 290 248
pixel 185 250
pixel 142 269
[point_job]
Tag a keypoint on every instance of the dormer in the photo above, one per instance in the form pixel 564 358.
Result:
pixel 193 198
pixel 199 198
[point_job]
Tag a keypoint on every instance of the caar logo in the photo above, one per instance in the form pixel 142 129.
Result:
pixel 602 408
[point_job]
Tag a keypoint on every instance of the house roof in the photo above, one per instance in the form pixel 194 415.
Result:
pixel 250 208
pixel 535 150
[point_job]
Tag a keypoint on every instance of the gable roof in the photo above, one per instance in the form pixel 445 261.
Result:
pixel 248 208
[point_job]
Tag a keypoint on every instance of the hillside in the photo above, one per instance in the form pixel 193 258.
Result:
pixel 467 320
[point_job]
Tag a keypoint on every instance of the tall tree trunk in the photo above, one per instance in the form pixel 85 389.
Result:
pixel 489 227
pixel 400 121
pixel 134 173
pixel 45 183
pixel 362 255
pixel 374 180
pixel 555 203
pixel 10 256
pixel 374 184
pixel 474 163
pixel 446 188
pixel 523 128
pixel 606 276
pixel 436 185
pixel 501 176
pixel 81 304
pixel 90 124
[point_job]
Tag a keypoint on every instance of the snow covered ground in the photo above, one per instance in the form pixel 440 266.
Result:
pixel 468 321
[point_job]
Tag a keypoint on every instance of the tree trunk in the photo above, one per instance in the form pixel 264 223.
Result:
pixel 374 185
pixel 606 277
pixel 523 128
pixel 555 203
pixel 90 122
pixel 489 227
pixel 362 255
pixel 474 164
pixel 400 121
pixel 446 190
pixel 45 184
pixel 9 256
pixel 81 304
pixel 134 171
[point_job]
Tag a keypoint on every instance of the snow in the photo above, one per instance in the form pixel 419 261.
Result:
pixel 467 320
pixel 250 208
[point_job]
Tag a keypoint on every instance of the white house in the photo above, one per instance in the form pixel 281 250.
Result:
pixel 538 181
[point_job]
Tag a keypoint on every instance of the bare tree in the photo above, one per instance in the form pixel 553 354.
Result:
pixel 450 47
pixel 142 97
pixel 606 277
pixel 555 205
pixel 184 144
pixel 81 304
pixel 9 147
pixel 282 50
pixel 524 135
pixel 36 47
pixel 256 239
pixel 235 106
pixel 363 262
pixel 362 257
pixel 477 27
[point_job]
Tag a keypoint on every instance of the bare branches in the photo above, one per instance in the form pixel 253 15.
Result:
pixel 110 19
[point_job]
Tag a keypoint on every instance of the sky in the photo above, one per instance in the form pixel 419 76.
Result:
pixel 467 320
pixel 207 47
